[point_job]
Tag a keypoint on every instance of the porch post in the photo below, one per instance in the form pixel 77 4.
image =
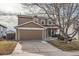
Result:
pixel 51 32
pixel 16 35
pixel 45 34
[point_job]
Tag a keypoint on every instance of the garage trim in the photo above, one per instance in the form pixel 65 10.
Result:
pixel 18 33
pixel 26 28
pixel 30 22
pixel 42 28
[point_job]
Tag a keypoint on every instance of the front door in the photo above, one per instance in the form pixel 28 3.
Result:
pixel 49 32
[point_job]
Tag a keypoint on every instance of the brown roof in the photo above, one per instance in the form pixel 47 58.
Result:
pixel 24 16
pixel 31 17
pixel 30 22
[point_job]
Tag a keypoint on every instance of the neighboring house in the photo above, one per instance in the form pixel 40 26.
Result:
pixel 2 31
pixel 10 31
pixel 10 35
pixel 34 27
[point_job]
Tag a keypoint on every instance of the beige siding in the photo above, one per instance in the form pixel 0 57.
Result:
pixel 22 20
pixel 31 25
pixel 30 35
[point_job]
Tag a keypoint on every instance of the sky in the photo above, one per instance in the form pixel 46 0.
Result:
pixel 9 21
pixel 10 7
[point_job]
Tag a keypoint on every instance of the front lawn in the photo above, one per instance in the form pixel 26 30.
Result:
pixel 7 47
pixel 74 45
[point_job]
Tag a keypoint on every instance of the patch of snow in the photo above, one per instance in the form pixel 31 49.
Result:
pixel 43 41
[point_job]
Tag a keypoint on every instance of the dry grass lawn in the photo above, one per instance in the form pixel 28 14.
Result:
pixel 74 45
pixel 7 47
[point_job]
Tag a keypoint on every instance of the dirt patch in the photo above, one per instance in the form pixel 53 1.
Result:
pixel 7 47
pixel 73 46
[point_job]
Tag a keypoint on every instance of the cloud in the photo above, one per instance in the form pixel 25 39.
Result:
pixel 9 21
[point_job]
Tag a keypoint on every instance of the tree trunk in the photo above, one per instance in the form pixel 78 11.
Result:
pixel 67 38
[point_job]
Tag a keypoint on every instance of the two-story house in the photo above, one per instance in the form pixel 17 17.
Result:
pixel 2 31
pixel 34 28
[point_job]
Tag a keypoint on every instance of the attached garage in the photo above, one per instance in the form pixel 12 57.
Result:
pixel 30 34
pixel 30 31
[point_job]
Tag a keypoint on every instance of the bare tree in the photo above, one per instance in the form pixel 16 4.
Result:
pixel 65 16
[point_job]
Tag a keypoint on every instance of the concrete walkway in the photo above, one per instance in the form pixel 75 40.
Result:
pixel 39 48
pixel 19 52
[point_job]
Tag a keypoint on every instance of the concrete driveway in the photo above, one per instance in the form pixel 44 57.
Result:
pixel 42 48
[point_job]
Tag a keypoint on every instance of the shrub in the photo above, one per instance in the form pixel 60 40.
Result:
pixel 7 47
pixel 11 36
pixel 73 46
pixel 60 37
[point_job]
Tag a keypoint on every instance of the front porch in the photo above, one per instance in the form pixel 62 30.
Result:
pixel 51 33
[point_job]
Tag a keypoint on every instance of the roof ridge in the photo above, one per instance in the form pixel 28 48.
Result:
pixel 30 22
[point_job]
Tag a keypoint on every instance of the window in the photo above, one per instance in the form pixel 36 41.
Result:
pixel 43 22
pixel 36 20
pixel 49 22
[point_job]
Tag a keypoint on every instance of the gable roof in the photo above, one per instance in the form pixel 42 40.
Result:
pixel 31 22
pixel 23 16
pixel 31 17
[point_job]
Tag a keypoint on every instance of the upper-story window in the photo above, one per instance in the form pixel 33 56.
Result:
pixel 43 22
pixel 36 20
pixel 49 22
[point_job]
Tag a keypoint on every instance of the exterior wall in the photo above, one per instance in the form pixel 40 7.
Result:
pixel 22 20
pixel 30 34
pixel 27 19
pixel 37 34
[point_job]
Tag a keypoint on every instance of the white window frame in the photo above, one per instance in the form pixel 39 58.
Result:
pixel 26 28
pixel 36 20
pixel 50 21
pixel 43 21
